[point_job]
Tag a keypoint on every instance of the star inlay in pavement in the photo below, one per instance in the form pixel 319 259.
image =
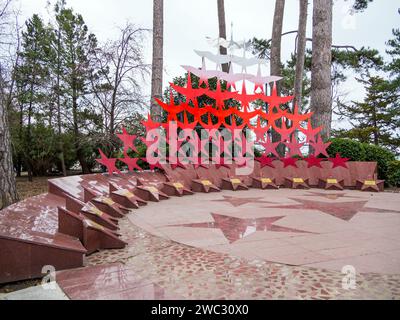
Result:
pixel 341 210
pixel 331 196
pixel 235 201
pixel 238 228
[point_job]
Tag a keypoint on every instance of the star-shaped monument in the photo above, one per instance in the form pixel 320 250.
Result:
pixel 264 183
pixel 331 183
pixel 237 201
pixel 238 228
pixel 370 185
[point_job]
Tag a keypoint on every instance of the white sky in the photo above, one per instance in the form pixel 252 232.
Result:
pixel 187 23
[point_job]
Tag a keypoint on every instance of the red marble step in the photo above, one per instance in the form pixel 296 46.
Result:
pixel 92 235
pixel 90 211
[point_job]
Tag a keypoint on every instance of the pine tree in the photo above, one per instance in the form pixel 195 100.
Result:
pixel 77 49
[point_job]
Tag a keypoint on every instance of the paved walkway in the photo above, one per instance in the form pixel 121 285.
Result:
pixel 257 244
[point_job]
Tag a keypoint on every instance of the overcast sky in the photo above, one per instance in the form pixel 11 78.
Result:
pixel 188 22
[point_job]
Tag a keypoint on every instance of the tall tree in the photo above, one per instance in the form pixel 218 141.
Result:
pixel 78 50
pixel 275 58
pixel 57 69
pixel 157 62
pixel 276 39
pixel 301 51
pixel 222 30
pixel 32 75
pixel 321 84
pixel 8 191
pixel 376 119
pixel 120 68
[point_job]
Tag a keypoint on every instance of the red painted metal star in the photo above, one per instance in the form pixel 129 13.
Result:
pixel 131 163
pixel 313 161
pixel 128 140
pixel 338 161
pixel 294 147
pixel 310 132
pixel 270 147
pixel 265 161
pixel 287 162
pixel 320 147
pixel 109 163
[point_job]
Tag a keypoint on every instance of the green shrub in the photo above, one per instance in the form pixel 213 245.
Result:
pixel 358 151
pixel 393 174
pixel 347 149
pixel 381 155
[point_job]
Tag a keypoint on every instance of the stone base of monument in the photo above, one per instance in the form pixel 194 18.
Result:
pixel 264 183
pixel 204 185
pixel 296 183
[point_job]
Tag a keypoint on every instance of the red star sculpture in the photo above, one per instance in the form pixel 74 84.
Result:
pixel 259 130
pixel 128 140
pixel 338 161
pixel 296 117
pixel 190 93
pixel 313 161
pixel 310 132
pixel 150 124
pixel 270 147
pixel 284 131
pixel 320 147
pixel 287 162
pixel 274 100
pixel 154 165
pixel 294 147
pixel 265 161
pixel 108 162
pixel 131 162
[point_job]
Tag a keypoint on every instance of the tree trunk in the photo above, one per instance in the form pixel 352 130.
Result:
pixel 301 50
pixel 78 149
pixel 275 60
pixel 222 30
pixel 321 90
pixel 60 142
pixel 157 65
pixel 8 191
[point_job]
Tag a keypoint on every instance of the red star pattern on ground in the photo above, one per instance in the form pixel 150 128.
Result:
pixel 237 201
pixel 238 228
pixel 341 210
